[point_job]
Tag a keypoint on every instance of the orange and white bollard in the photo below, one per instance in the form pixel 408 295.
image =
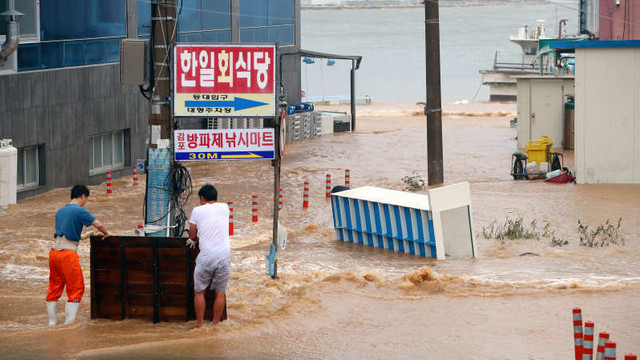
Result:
pixel 587 344
pixel 254 208
pixel 347 178
pixel 630 357
pixel 577 332
pixel 305 196
pixel 230 203
pixel 135 176
pixel 603 337
pixel 609 350
pixel 108 182
pixel 328 186
pixel 280 205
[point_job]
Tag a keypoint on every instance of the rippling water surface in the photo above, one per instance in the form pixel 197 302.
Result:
pixel 339 300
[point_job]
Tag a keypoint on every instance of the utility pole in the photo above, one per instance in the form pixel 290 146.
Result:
pixel 158 196
pixel 433 109
pixel 163 19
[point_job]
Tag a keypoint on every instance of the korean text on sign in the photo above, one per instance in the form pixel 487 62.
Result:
pixel 225 69
pixel 224 144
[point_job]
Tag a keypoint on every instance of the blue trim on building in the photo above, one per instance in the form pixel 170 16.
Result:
pixel 595 44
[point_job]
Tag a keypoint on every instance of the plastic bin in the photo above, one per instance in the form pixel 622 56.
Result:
pixel 538 150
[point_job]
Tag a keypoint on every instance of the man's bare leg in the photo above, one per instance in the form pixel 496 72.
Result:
pixel 200 304
pixel 218 306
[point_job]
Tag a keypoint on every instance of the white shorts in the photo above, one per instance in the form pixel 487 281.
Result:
pixel 212 271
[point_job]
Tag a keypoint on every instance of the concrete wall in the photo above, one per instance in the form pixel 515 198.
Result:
pixel 60 109
pixel 607 115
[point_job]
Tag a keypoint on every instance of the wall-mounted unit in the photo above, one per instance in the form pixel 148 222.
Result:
pixel 436 225
pixel 8 173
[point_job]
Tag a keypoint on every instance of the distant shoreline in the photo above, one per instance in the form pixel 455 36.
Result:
pixel 442 3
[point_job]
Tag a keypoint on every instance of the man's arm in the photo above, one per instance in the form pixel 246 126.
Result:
pixel 98 225
pixel 193 232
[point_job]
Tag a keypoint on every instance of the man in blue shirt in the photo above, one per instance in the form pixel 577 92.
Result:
pixel 64 266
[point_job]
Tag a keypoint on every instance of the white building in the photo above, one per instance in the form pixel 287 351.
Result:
pixel 607 112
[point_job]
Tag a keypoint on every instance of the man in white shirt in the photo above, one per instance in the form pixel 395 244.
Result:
pixel 209 224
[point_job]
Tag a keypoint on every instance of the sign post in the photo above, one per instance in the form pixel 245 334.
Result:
pixel 224 80
pixel 231 81
pixel 281 125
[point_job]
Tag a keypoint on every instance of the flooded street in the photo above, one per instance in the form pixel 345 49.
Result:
pixel 338 300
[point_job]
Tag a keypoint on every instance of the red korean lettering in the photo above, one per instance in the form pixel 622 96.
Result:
pixel 254 139
pixel 192 141
pixel 267 138
pixel 230 139
pixel 243 139
pixel 216 140
pixel 204 140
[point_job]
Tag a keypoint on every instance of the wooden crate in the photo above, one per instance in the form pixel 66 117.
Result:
pixel 148 278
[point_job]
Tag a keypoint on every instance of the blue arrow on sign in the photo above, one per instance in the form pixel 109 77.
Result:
pixel 237 103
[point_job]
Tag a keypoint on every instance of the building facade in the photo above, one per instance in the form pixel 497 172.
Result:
pixel 607 116
pixel 619 20
pixel 61 101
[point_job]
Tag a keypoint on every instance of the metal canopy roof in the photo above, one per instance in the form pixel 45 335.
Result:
pixel 321 55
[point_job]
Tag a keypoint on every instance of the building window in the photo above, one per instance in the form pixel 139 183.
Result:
pixel 204 21
pixel 106 152
pixel 531 50
pixel 28 168
pixel 72 33
pixel 28 23
pixel 270 21
pixel 144 19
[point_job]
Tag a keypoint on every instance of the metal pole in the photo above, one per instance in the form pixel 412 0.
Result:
pixel 163 18
pixel 582 17
pixel 164 38
pixel 433 108
pixel 276 192
pixel 353 95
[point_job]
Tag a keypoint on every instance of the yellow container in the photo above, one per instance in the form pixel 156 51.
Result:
pixel 538 150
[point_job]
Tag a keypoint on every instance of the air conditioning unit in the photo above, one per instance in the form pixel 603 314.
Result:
pixel 8 173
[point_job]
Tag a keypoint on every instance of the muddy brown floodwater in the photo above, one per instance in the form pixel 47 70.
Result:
pixel 338 300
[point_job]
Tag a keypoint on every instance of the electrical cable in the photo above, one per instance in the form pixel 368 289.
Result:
pixel 179 191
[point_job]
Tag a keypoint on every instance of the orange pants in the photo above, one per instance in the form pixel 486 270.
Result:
pixel 64 269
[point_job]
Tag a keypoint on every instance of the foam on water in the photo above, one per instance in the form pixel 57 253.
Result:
pixel 14 273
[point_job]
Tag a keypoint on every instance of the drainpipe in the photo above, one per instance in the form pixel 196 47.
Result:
pixel 13 32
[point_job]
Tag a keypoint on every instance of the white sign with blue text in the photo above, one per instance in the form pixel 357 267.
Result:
pixel 234 144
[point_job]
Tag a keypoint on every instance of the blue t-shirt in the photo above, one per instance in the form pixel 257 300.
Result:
pixel 69 221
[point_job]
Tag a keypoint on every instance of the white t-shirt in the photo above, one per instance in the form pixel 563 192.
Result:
pixel 212 221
